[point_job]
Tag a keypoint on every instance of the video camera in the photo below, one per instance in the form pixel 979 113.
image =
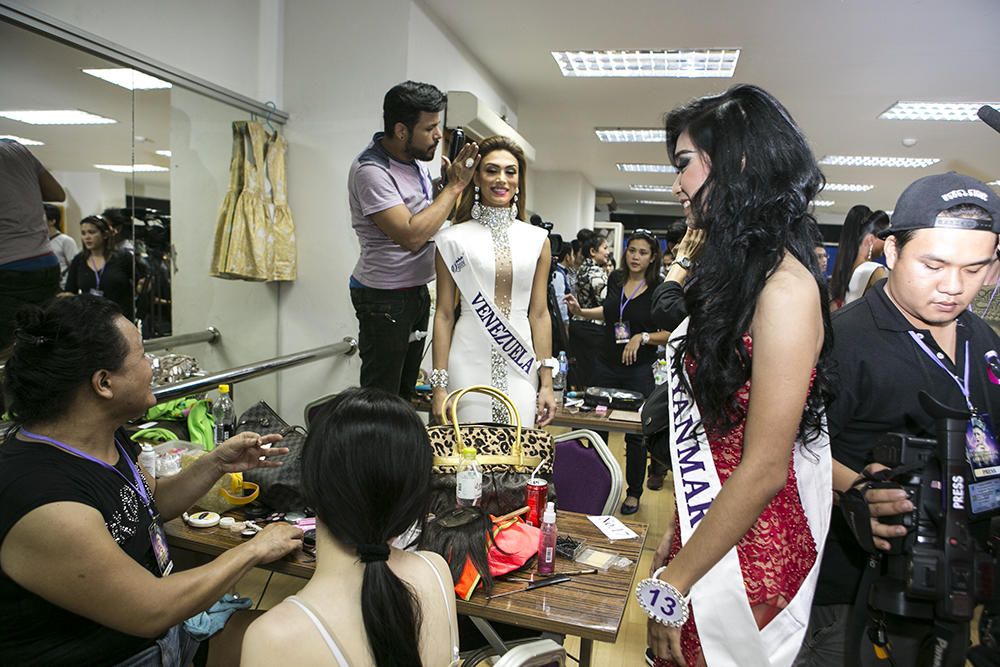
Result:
pixel 938 571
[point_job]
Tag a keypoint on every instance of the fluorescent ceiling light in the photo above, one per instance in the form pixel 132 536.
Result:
pixel 653 202
pixel 934 111
pixel 647 168
pixel 683 63
pixel 56 117
pixel 129 168
pixel 22 140
pixel 163 153
pixel 643 135
pixel 128 78
pixel 649 188
pixel 997 182
pixel 869 161
pixel 846 187
pixel 822 202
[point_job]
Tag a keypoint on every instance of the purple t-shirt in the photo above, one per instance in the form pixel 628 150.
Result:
pixel 377 182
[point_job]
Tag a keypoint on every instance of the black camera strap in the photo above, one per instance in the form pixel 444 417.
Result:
pixel 860 613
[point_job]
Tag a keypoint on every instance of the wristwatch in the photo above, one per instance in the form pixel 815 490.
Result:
pixel 645 338
pixel 551 362
pixel 683 262
pixel 662 601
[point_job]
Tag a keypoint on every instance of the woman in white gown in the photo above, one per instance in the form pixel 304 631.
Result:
pixel 496 268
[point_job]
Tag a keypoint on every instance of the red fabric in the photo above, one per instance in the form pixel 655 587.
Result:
pixel 776 554
pixel 516 544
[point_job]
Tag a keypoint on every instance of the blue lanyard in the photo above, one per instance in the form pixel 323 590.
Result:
pixel 963 384
pixel 97 276
pixel 135 484
pixel 624 301
pixel 425 182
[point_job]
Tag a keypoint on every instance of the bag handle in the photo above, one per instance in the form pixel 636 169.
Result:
pixel 495 393
pixel 237 486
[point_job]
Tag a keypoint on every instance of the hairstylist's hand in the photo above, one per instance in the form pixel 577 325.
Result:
pixel 456 172
pixel 275 541
pixel 572 304
pixel 885 502
pixel 631 351
pixel 691 245
pixel 546 410
pixel 246 451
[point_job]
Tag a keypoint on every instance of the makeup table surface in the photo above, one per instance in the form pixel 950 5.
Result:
pixel 590 606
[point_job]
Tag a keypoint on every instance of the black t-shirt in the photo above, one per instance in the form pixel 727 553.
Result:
pixel 117 279
pixel 637 314
pixel 33 630
pixel 881 371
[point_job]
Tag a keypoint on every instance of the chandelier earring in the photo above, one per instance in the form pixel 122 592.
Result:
pixel 870 252
pixel 477 210
pixel 513 202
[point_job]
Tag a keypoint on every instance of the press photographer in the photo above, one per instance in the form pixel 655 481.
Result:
pixel 912 332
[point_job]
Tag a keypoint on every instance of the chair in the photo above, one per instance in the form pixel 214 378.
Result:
pixel 313 408
pixel 520 653
pixel 586 474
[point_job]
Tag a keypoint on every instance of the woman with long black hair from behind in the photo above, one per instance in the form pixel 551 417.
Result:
pixel 750 378
pixel 853 269
pixel 366 470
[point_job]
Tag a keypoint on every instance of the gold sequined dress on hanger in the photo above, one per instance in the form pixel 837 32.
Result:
pixel 502 254
pixel 247 256
pixel 281 247
pixel 224 224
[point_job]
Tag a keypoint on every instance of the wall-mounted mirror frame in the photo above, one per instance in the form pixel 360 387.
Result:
pixel 189 113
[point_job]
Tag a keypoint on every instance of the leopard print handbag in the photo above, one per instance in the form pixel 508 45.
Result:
pixel 507 454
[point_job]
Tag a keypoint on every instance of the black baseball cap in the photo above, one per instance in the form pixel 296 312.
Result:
pixel 921 203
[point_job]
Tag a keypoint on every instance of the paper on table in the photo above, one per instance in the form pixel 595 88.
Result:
pixel 625 416
pixel 612 527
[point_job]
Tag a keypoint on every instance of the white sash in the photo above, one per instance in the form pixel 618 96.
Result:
pixel 520 354
pixel 726 627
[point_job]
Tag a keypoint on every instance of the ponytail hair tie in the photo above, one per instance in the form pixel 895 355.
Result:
pixel 373 552
pixel 22 336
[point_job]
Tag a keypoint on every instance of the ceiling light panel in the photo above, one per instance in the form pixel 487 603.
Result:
pixel 649 188
pixel 163 153
pixel 128 78
pixel 653 202
pixel 822 202
pixel 129 168
pixel 647 168
pixel 873 161
pixel 957 111
pixel 22 140
pixel 635 135
pixel 847 187
pixel 56 117
pixel 688 63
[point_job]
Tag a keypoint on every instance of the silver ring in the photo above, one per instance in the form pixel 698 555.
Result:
pixel 469 163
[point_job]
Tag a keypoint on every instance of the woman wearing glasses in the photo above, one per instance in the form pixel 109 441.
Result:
pixel 628 351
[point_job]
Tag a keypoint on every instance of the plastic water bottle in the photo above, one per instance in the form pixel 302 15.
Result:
pixel 559 377
pixel 147 459
pixel 661 373
pixel 547 541
pixel 225 416
pixel 468 479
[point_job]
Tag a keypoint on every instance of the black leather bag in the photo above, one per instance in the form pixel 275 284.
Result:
pixel 280 488
pixel 616 399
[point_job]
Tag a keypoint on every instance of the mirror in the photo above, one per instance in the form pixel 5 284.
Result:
pixel 161 155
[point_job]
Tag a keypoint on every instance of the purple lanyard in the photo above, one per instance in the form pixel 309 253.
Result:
pixel 624 301
pixel 425 182
pixel 137 486
pixel 963 385
pixel 97 276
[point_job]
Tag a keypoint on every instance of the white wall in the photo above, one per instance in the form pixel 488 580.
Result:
pixel 564 198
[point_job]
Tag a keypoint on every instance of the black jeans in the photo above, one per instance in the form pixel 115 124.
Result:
pixel 386 318
pixel 18 288
pixel 637 377
pixel 585 342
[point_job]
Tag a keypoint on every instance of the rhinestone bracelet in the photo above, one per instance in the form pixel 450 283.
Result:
pixel 439 378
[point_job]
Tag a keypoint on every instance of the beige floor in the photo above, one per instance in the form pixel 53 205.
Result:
pixel 656 509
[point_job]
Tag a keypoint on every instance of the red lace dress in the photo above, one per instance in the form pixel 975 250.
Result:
pixel 776 553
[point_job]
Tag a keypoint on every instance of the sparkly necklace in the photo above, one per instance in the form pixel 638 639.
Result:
pixel 493 217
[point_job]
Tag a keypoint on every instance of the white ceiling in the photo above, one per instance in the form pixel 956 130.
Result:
pixel 835 64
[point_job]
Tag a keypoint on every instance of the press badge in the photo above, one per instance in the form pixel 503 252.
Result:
pixel 983 455
pixel 622 333
pixel 96 292
pixel 159 540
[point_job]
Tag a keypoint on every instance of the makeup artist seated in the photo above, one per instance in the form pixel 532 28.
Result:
pixel 83 556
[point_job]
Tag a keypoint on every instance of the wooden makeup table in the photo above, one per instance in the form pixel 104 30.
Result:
pixel 590 607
